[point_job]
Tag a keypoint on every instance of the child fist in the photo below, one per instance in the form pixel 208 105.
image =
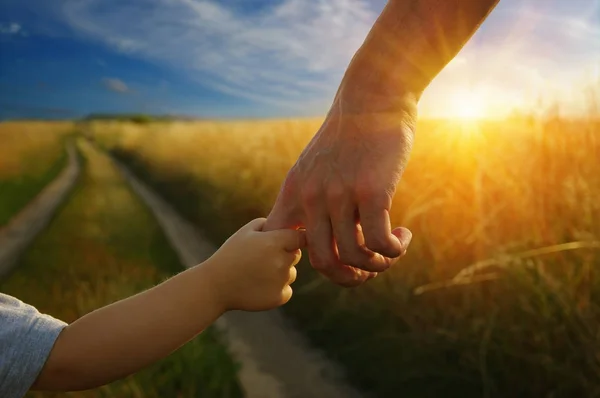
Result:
pixel 253 270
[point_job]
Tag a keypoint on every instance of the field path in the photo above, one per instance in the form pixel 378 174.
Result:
pixel 276 361
pixel 23 227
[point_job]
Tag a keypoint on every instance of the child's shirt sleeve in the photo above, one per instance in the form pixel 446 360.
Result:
pixel 26 339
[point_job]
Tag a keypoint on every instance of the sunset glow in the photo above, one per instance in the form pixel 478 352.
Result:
pixel 469 105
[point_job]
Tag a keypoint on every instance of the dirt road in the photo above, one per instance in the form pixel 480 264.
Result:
pixel 23 228
pixel 277 362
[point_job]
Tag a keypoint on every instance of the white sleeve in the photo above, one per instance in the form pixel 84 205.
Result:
pixel 26 339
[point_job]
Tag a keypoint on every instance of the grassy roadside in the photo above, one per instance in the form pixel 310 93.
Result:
pixel 40 168
pixel 104 245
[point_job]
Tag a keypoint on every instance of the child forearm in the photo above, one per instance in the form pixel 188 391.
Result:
pixel 122 338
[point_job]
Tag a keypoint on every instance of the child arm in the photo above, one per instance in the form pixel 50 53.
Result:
pixel 251 271
pixel 122 338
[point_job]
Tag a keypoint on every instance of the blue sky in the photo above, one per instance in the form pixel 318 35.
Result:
pixel 270 58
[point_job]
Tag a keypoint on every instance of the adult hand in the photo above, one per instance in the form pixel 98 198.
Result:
pixel 342 185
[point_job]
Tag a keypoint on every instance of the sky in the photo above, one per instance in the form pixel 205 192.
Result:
pixel 273 58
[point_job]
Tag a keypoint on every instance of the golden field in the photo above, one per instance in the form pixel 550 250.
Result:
pixel 513 205
pixel 474 189
pixel 28 147
pixel 31 155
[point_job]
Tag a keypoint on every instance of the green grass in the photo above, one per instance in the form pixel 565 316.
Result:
pixel 104 245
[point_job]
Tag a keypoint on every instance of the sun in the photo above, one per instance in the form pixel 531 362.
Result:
pixel 469 105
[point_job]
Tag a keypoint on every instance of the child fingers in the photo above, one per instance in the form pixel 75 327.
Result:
pixel 292 275
pixel 294 257
pixel 290 239
pixel 286 294
pixel 256 224
pixel 285 275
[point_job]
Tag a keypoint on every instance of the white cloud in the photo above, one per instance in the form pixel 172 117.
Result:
pixel 289 54
pixel 116 85
pixel 12 28
pixel 294 53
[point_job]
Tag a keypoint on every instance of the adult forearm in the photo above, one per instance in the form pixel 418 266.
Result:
pixel 122 338
pixel 410 43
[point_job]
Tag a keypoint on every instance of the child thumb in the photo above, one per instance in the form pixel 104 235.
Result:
pixel 255 225
pixel 291 239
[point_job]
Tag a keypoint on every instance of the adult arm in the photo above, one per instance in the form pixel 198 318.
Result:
pixel 342 185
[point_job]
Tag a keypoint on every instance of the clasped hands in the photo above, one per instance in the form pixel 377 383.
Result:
pixel 341 188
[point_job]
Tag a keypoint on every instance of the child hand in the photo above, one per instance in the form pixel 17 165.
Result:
pixel 253 270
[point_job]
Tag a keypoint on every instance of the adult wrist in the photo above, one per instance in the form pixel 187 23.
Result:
pixel 376 98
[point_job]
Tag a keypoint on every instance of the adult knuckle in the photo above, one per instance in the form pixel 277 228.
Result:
pixel 368 192
pixel 350 256
pixel 336 192
pixel 361 261
pixel 381 199
pixel 376 243
pixel 364 190
pixel 311 194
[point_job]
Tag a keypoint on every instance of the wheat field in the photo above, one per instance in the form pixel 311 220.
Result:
pixel 501 273
pixel 30 147
pixel 32 153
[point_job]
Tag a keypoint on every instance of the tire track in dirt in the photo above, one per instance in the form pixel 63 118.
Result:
pixel 22 229
pixel 276 360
